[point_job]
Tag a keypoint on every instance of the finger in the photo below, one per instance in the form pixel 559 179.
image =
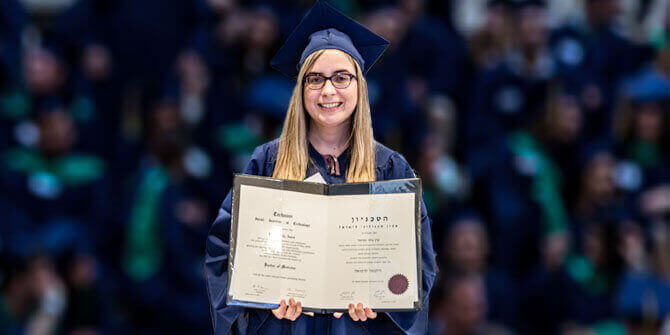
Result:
pixel 337 315
pixel 298 311
pixel 290 311
pixel 309 313
pixel 291 308
pixel 360 312
pixel 370 313
pixel 352 312
pixel 281 311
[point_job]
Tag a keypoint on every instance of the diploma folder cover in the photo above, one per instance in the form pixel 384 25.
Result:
pixel 411 185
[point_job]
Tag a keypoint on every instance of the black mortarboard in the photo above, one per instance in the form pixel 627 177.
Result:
pixel 324 27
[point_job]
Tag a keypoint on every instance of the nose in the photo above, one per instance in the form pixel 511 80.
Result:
pixel 328 88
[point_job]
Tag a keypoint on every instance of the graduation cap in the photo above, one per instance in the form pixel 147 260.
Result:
pixel 647 87
pixel 592 149
pixel 324 27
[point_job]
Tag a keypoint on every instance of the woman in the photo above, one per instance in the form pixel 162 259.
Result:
pixel 327 131
pixel 641 131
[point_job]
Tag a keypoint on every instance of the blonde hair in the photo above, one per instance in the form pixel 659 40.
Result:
pixel 293 154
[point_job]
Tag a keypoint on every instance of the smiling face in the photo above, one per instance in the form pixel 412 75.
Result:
pixel 330 106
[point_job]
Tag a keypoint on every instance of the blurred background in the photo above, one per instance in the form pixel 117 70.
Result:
pixel 541 130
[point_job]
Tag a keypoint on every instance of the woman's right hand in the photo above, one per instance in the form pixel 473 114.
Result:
pixel 290 312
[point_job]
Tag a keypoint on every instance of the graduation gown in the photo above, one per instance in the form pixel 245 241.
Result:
pixel 238 320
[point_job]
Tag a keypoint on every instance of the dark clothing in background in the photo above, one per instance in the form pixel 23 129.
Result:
pixel 506 100
pixel 601 57
pixel 12 22
pixel 64 202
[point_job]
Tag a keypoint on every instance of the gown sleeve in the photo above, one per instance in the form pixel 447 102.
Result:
pixel 415 322
pixel 224 317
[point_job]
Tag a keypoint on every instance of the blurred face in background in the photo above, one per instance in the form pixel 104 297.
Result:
pixel 565 119
pixel 467 246
pixel 412 8
pixel 96 62
pixel 648 122
pixel 193 75
pixel 263 29
pixel 330 106
pixel 496 21
pixel 165 138
pixel 532 30
pixel 42 71
pixel 165 118
pixel 221 6
pixel 390 23
pixel 601 12
pixel 57 132
pixel 233 28
pixel 465 306
pixel 598 178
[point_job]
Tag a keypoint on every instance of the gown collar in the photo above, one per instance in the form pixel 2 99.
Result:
pixel 328 165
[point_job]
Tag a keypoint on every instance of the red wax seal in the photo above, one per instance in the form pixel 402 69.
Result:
pixel 398 284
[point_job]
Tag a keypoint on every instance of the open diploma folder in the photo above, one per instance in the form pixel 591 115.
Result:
pixel 325 245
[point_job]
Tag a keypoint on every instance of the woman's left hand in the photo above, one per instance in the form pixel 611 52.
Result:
pixel 358 312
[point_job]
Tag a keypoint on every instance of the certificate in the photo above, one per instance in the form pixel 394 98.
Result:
pixel 325 245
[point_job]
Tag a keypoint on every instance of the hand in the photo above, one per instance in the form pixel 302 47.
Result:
pixel 290 312
pixel 358 312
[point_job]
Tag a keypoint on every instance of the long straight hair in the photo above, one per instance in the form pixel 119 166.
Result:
pixel 293 154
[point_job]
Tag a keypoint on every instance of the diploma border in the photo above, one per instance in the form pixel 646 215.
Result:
pixel 410 185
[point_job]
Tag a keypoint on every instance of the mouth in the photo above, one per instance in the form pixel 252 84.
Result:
pixel 330 106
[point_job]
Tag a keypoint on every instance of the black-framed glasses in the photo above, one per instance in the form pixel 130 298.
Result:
pixel 315 81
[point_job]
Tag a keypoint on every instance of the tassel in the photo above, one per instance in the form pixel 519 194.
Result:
pixel 332 164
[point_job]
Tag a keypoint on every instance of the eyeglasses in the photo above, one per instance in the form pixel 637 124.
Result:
pixel 339 80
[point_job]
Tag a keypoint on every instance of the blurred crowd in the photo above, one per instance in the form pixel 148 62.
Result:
pixel 540 130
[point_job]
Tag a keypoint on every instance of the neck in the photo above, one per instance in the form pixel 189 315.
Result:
pixel 329 140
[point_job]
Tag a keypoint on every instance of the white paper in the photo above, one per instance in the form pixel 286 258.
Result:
pixel 326 251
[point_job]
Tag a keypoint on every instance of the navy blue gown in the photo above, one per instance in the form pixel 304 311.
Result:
pixel 239 320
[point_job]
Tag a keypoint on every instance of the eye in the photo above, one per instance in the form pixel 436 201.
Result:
pixel 341 78
pixel 315 80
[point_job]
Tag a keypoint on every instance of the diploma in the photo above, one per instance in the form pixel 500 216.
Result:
pixel 325 245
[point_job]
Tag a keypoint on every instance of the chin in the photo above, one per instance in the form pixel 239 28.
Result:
pixel 331 120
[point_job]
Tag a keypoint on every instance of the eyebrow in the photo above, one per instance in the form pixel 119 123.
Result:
pixel 338 71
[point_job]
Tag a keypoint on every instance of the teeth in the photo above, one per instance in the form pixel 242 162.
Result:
pixel 335 104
